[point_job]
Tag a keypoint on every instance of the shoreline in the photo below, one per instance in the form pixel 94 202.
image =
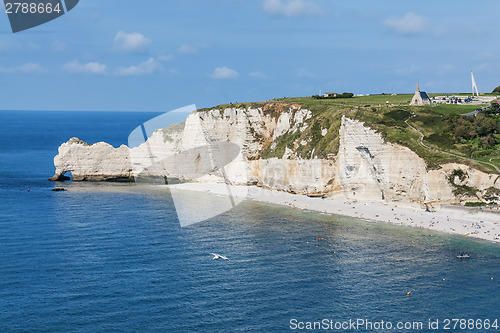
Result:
pixel 484 225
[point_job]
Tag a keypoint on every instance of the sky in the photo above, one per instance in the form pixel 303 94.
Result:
pixel 160 55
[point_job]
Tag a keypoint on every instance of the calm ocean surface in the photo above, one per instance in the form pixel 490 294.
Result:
pixel 113 257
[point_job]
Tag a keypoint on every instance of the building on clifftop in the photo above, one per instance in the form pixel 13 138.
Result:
pixel 420 98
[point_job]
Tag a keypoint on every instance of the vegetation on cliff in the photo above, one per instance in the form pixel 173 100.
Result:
pixel 445 134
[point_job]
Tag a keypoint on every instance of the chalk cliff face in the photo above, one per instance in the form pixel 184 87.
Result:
pixel 228 145
pixel 369 168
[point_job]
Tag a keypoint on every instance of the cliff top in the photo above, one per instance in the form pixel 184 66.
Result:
pixel 439 133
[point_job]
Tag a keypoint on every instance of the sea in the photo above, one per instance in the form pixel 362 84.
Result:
pixel 112 257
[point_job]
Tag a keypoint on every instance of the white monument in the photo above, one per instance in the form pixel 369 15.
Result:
pixel 475 92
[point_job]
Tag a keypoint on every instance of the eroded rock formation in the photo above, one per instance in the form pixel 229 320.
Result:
pixel 365 167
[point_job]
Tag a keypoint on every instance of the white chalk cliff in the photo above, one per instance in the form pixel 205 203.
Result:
pixel 228 144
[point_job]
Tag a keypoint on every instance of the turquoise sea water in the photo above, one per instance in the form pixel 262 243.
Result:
pixel 113 257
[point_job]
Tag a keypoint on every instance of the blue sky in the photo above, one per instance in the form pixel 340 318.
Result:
pixel 159 55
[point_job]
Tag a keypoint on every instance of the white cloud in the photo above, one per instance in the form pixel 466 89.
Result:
pixel 31 68
pixel 133 42
pixel 305 73
pixel 34 47
pixel 291 8
pixel 225 73
pixel 409 24
pixel 444 69
pixel 488 66
pixel 187 49
pixel 165 58
pixel 10 46
pixel 486 55
pixel 75 67
pixel 174 72
pixel 407 70
pixel 58 46
pixel 28 68
pixel 258 75
pixel 149 66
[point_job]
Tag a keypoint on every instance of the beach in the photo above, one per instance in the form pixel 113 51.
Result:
pixel 458 220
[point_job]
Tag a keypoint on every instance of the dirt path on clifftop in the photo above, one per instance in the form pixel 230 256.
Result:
pixel 447 153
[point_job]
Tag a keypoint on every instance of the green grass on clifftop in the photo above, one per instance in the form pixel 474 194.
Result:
pixel 440 124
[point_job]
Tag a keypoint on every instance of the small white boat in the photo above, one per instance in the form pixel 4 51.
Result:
pixel 463 256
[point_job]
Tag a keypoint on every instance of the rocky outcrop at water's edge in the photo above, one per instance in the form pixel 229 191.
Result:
pixel 364 167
